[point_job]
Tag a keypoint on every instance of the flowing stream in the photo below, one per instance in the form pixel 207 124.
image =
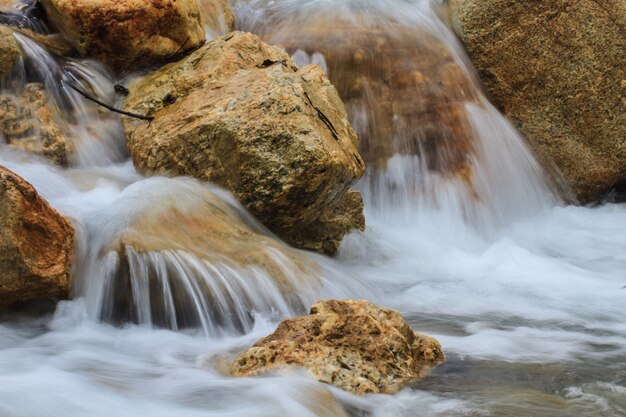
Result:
pixel 466 237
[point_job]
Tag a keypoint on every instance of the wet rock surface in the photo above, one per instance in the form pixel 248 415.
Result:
pixel 127 34
pixel 9 50
pixel 239 113
pixel 557 70
pixel 36 245
pixel 353 345
pixel 31 123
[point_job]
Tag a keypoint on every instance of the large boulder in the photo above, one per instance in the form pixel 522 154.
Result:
pixel 199 258
pixel 32 123
pixel 127 34
pixel 353 345
pixel 557 69
pixel 36 245
pixel 239 113
pixel 10 51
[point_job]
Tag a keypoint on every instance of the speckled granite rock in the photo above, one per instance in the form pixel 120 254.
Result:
pixel 557 69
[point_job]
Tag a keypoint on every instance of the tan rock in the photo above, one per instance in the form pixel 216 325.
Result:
pixel 239 113
pixel 353 345
pixel 181 223
pixel 32 123
pixel 36 245
pixel 557 70
pixel 325 234
pixel 10 51
pixel 128 34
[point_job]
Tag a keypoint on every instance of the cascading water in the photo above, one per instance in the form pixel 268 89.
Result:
pixel 465 239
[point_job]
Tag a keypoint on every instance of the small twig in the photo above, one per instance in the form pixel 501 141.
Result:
pixel 106 106
pixel 175 54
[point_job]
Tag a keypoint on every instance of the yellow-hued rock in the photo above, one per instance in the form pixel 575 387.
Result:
pixel 239 113
pixel 32 123
pixel 36 245
pixel 128 34
pixel 353 345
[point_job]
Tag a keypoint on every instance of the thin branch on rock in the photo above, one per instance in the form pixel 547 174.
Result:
pixel 106 106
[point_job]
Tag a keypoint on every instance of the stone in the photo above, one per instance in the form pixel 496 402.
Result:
pixel 325 234
pixel 556 69
pixel 128 34
pixel 239 113
pixel 194 223
pixel 10 51
pixel 353 345
pixel 36 245
pixel 32 123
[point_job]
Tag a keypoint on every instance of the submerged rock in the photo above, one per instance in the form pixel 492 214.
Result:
pixel 187 255
pixel 353 345
pixel 557 69
pixel 239 113
pixel 127 34
pixel 31 122
pixel 10 51
pixel 36 245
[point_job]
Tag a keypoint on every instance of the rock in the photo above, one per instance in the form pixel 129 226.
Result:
pixel 353 345
pixel 557 70
pixel 32 123
pixel 127 34
pixel 217 17
pixel 36 245
pixel 403 89
pixel 325 234
pixel 10 51
pixel 239 113
pixel 174 225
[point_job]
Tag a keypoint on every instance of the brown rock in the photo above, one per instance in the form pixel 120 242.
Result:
pixel 557 69
pixel 403 89
pixel 325 234
pixel 9 51
pixel 36 245
pixel 184 217
pixel 32 123
pixel 353 345
pixel 127 34
pixel 239 113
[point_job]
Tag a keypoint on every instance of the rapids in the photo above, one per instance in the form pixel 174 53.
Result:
pixel 466 237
